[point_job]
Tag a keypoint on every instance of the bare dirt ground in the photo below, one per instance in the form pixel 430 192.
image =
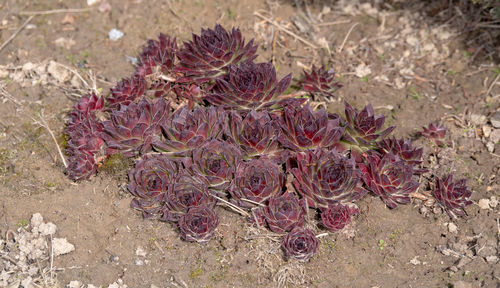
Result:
pixel 410 69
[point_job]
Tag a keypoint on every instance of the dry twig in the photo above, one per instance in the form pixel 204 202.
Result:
pixel 347 36
pixel 15 33
pixel 47 12
pixel 280 27
pixel 44 124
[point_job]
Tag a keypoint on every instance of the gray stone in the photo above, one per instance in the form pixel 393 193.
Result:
pixel 495 119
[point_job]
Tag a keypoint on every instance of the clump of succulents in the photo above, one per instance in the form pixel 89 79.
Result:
pixel 206 124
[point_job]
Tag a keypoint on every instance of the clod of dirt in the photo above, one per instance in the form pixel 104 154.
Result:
pixel 58 72
pixel 64 43
pixel 140 252
pixel 62 246
pixel 74 284
pixel 118 284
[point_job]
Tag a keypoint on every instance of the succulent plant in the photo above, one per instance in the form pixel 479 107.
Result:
pixel 300 244
pixel 320 81
pixel 81 166
pixel 127 91
pixel 207 55
pixel 337 216
pixel 88 104
pixel 248 86
pixel 216 161
pixel 158 56
pixel 198 224
pixel 284 212
pixel 327 178
pixel 452 196
pixel 187 191
pixel 256 180
pixel 434 132
pixel 302 128
pixel 186 129
pixel 389 177
pixel 149 182
pixel 85 137
pixel 363 128
pixel 402 148
pixel 256 134
pixel 130 129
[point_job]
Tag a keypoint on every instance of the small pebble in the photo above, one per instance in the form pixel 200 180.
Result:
pixel 493 202
pixel 490 146
pixel 484 204
pixel 492 259
pixel 115 34
pixel 452 227
pixel 495 119
pixel 138 262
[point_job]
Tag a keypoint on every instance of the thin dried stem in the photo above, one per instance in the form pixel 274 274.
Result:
pixel 270 21
pixel 44 124
pixel 493 84
pixel 347 36
pixel 253 202
pixel 55 11
pixel 15 33
pixel 231 205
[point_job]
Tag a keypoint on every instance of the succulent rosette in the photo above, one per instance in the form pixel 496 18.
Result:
pixel 256 180
pixel 337 216
pixel 402 148
pixel 256 134
pixel 158 56
pixel 300 244
pixel 389 177
pixel 248 86
pixel 320 81
pixel 88 104
pixel 127 91
pixel 284 212
pixel 186 191
pixel 302 128
pixel 85 137
pixel 186 129
pixel 434 132
pixel 130 129
pixel 327 178
pixel 149 182
pixel 198 224
pixel 452 196
pixel 363 128
pixel 207 55
pixel 216 161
